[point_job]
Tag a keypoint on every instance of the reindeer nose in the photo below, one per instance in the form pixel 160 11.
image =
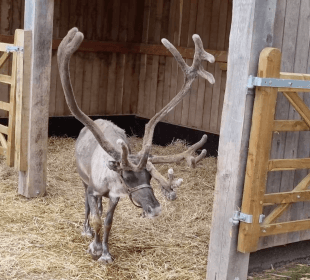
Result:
pixel 153 212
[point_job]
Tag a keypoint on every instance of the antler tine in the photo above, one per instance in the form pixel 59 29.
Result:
pixel 168 186
pixel 126 164
pixel 191 160
pixel 190 73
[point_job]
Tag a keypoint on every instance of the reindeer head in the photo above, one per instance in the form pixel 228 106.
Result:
pixel 141 162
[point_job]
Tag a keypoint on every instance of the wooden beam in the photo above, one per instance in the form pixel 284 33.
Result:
pixel 116 47
pixel 248 39
pixel 4 58
pixel 294 76
pixel 5 79
pixel 4 129
pixel 285 227
pixel 5 106
pixel 4 45
pixel 299 105
pixel 286 197
pixel 290 125
pixel 288 164
pixel 303 185
pixel 38 19
pixel 22 100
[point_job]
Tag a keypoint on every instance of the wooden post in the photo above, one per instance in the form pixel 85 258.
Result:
pixel 251 31
pixel 38 19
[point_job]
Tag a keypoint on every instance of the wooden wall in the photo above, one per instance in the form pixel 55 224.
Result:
pixel 292 37
pixel 108 83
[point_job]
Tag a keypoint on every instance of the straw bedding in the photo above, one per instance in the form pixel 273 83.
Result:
pixel 41 238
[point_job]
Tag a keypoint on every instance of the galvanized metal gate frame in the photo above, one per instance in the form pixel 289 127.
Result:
pixel 259 163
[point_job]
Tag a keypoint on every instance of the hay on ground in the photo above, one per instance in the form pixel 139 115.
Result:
pixel 41 238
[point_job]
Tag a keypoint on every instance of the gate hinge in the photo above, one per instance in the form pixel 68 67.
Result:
pixel 14 49
pixel 246 218
pixel 273 82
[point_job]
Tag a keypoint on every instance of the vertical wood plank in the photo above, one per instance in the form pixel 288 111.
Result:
pixel 212 90
pixel 53 89
pixel 135 85
pixel 10 155
pixel 291 140
pixel 158 12
pixel 39 19
pixel 278 141
pixel 22 101
pixel 224 262
pixel 259 150
pixel 192 96
pixel 143 63
pixel 169 60
pixel 103 85
pixel 218 71
pixel 203 28
pixel 95 80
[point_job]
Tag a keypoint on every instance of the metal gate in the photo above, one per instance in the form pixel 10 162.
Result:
pixel 253 224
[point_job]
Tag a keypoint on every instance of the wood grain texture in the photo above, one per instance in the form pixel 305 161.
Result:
pixel 286 197
pixel 32 183
pixel 224 262
pixel 259 150
pixel 285 227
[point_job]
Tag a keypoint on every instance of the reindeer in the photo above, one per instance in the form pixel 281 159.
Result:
pixel 103 157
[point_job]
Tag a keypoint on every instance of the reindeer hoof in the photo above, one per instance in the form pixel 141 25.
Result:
pixel 87 232
pixel 106 258
pixel 95 250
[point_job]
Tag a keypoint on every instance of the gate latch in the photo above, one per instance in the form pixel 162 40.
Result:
pixel 246 218
pixel 14 49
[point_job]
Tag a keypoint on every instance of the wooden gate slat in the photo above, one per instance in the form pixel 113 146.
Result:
pixel 6 79
pixel 285 227
pixel 5 106
pixel 259 150
pixel 4 129
pixel 286 197
pixel 288 164
pixel 290 125
pixel 303 185
pixel 4 58
pixel 299 105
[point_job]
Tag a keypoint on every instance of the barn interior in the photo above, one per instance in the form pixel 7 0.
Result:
pixel 122 72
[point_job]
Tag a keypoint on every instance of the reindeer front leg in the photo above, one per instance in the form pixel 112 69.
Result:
pixel 106 256
pixel 95 248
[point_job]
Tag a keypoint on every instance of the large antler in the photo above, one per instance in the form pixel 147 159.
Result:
pixel 190 74
pixel 66 48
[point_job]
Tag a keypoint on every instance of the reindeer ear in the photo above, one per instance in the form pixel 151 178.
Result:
pixel 114 165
